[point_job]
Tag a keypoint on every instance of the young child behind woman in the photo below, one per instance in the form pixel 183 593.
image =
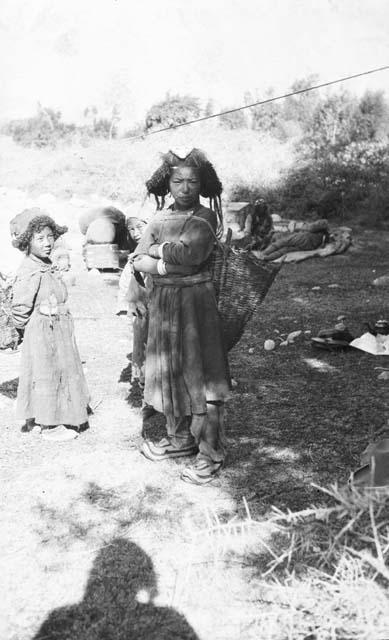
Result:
pixel 52 392
pixel 129 291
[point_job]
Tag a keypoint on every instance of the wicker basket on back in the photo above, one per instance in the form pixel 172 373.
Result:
pixel 241 283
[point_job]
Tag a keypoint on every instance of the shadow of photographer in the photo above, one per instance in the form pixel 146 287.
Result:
pixel 118 603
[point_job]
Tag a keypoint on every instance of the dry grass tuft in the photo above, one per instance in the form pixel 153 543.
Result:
pixel 319 573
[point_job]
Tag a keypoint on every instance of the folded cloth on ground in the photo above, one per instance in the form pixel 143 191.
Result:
pixel 374 470
pixel 376 345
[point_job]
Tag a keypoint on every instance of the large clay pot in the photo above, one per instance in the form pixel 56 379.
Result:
pixel 115 216
pixel 101 231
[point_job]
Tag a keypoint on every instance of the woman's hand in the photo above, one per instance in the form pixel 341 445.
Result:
pixel 147 264
pixel 154 251
pixel 137 309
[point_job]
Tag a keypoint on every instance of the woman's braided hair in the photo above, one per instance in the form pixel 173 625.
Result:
pixel 211 187
pixel 35 226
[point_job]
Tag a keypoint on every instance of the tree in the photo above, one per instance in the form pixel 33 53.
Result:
pixel 115 119
pixel 264 117
pixel 90 115
pixel 373 116
pixel 209 108
pixel 171 111
pixel 300 108
pixel 233 120
pixel 334 124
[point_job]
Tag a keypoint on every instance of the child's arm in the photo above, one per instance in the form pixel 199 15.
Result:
pixel 132 297
pixel 24 293
pixel 147 264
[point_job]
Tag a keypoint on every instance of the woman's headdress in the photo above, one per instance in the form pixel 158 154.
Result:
pixel 211 187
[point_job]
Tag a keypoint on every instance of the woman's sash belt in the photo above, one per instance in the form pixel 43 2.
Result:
pixel 182 281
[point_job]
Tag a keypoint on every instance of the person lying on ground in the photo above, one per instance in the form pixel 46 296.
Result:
pixel 312 236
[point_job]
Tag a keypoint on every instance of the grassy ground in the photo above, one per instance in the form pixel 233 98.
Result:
pixel 98 542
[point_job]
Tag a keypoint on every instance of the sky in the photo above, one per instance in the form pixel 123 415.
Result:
pixel 70 54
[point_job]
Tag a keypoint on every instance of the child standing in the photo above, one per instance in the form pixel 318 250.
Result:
pixel 186 372
pixel 132 299
pixel 52 393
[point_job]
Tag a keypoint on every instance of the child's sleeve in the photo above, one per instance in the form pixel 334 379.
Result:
pixel 24 294
pixel 149 237
pixel 124 283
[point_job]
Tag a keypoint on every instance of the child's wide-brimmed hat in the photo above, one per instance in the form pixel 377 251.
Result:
pixel 19 225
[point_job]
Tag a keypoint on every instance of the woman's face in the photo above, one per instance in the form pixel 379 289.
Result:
pixel 185 187
pixel 42 243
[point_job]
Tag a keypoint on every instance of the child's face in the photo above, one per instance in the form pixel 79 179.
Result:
pixel 42 243
pixel 185 187
pixel 135 229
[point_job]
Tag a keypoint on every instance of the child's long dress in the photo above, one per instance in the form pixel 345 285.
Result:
pixel 52 387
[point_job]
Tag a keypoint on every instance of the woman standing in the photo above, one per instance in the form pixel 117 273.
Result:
pixel 186 372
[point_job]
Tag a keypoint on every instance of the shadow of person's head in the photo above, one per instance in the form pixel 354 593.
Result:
pixel 118 602
pixel 121 572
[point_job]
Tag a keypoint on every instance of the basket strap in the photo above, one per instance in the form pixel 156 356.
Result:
pixel 225 246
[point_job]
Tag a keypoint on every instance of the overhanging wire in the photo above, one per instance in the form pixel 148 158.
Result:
pixel 256 104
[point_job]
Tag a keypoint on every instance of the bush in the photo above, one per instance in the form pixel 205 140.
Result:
pixel 135 131
pixel 342 184
pixel 43 130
